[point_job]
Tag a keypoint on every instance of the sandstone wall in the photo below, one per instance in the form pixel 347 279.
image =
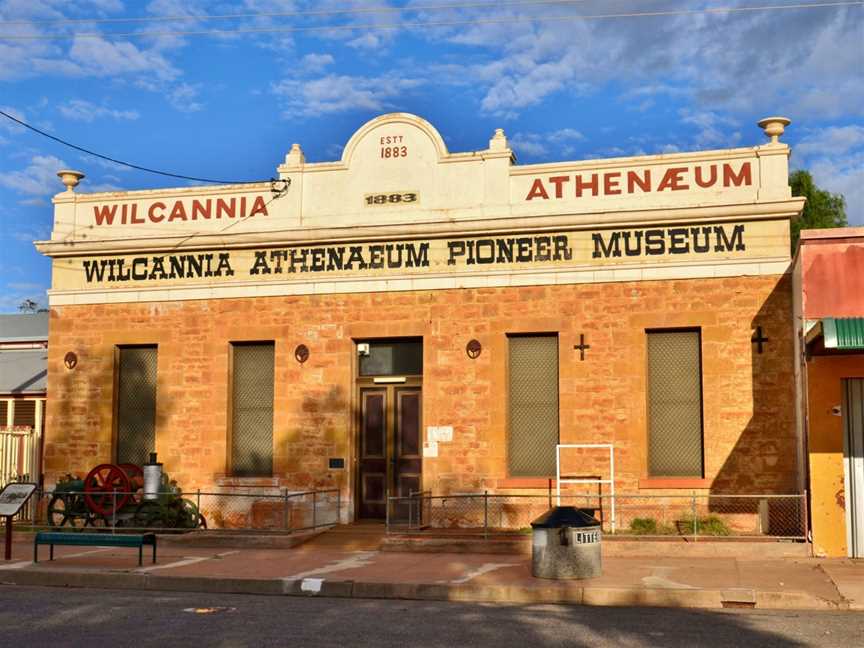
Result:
pixel 748 415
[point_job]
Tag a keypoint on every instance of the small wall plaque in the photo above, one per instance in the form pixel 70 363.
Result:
pixel 441 433
pixel 336 463
pixel 301 353
pixel 70 360
pixel 473 349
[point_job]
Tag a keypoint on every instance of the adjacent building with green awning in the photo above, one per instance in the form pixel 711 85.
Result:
pixel 844 333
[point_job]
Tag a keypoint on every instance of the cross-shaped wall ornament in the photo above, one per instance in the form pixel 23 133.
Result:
pixel 758 339
pixel 582 346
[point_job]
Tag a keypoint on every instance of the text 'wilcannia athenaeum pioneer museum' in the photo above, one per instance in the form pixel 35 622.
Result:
pixel 411 319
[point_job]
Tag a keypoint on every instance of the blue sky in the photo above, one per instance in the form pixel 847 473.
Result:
pixel 229 106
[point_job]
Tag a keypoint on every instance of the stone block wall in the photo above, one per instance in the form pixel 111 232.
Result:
pixel 749 426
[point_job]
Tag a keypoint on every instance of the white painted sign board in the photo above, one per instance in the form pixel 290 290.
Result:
pixel 440 434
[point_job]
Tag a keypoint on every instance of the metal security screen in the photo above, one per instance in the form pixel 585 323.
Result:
pixel 252 410
pixel 533 405
pixel 136 404
pixel 674 404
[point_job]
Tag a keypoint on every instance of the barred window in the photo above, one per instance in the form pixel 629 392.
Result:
pixel 252 409
pixel 136 404
pixel 533 395
pixel 675 404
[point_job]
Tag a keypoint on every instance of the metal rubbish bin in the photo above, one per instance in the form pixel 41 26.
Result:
pixel 565 544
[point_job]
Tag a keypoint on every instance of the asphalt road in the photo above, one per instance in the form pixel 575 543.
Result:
pixel 33 617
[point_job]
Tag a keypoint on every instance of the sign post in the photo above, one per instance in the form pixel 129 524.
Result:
pixel 12 498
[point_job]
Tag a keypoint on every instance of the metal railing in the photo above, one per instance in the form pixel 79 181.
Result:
pixel 694 516
pixel 172 511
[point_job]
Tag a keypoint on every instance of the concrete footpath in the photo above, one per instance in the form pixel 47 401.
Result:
pixel 351 564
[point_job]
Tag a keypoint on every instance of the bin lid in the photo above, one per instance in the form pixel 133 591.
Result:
pixel 565 516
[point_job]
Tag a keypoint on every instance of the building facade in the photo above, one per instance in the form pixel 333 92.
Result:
pixel 23 379
pixel 407 318
pixel 829 313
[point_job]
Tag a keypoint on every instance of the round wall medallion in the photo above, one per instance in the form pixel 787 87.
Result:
pixel 473 349
pixel 70 360
pixel 301 353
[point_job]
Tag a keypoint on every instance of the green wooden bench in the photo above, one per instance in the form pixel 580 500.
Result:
pixel 93 540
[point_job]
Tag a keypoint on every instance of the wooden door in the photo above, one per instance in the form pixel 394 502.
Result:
pixel 373 462
pixel 408 461
pixel 390 447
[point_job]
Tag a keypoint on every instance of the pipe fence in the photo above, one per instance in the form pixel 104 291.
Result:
pixel 174 511
pixel 768 516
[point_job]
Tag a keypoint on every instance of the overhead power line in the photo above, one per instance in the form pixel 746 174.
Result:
pixel 121 162
pixel 296 14
pixel 435 23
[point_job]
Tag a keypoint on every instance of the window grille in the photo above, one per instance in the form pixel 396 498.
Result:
pixel 136 404
pixel 533 412
pixel 252 410
pixel 675 404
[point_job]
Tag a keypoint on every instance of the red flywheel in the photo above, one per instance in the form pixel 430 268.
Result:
pixel 100 487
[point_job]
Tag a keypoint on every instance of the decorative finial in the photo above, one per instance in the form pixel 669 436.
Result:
pixel 498 141
pixel 774 127
pixel 70 178
pixel 295 156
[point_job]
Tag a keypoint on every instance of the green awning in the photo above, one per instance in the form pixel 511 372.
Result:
pixel 843 333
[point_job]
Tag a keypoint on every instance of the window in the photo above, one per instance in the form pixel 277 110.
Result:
pixel 136 404
pixel 252 410
pixel 533 372
pixel 24 414
pixel 674 404
pixel 403 357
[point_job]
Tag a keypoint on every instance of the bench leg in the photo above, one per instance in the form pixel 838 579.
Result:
pixel 51 552
pixel 140 555
pixel 154 551
pixel 35 552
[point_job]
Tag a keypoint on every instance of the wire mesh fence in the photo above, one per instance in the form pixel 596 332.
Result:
pixel 648 516
pixel 173 511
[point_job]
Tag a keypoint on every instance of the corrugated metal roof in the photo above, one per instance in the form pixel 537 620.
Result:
pixel 843 332
pixel 23 371
pixel 25 327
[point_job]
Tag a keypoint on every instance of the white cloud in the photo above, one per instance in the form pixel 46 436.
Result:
pixel 742 62
pixel 367 41
pixel 835 158
pixel 834 140
pixel 530 144
pixel 81 110
pixel 845 176
pixel 184 98
pixel 101 57
pixel 713 128
pixel 39 178
pixel 312 63
pixel 535 145
pixel 7 124
pixel 340 93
